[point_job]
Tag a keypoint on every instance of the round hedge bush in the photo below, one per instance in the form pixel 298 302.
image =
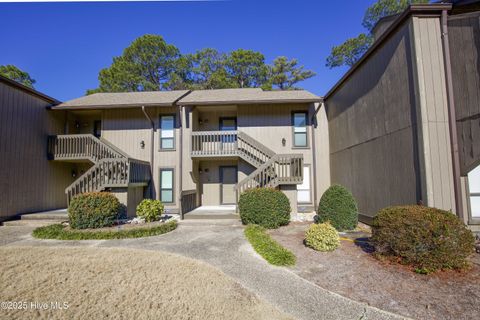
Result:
pixel 322 237
pixel 266 207
pixel 429 239
pixel 93 210
pixel 150 210
pixel 338 206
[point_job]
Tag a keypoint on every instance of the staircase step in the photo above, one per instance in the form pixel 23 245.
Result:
pixel 211 216
pixel 60 215
pixel 29 223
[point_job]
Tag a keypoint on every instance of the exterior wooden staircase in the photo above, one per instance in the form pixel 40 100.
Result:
pixel 272 170
pixel 112 167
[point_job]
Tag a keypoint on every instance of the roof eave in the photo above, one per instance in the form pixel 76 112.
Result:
pixel 113 106
pixel 434 8
pixel 236 102
pixel 29 90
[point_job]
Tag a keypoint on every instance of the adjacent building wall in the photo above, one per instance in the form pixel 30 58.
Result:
pixel 372 129
pixel 28 181
pixel 389 133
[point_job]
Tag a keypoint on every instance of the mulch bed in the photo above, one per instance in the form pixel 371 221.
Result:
pixel 353 272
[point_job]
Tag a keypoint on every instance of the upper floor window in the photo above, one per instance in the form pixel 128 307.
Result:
pixel 299 129
pixel 167 133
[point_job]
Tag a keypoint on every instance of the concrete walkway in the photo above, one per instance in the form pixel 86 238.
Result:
pixel 221 243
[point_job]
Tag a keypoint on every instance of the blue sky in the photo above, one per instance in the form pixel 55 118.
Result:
pixel 64 45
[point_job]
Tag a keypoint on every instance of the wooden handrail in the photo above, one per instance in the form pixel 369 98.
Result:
pixel 281 169
pixel 81 146
pixel 110 173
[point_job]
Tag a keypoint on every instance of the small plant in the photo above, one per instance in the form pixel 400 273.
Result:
pixel 59 232
pixel 266 207
pixel 428 239
pixel 268 248
pixel 322 237
pixel 150 210
pixel 338 206
pixel 93 210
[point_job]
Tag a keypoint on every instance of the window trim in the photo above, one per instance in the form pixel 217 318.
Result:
pixel 172 169
pixel 471 219
pixel 160 132
pixel 307 124
pixel 310 189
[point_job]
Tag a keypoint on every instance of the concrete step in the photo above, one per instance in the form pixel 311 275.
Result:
pixel 211 216
pixel 30 223
pixel 53 215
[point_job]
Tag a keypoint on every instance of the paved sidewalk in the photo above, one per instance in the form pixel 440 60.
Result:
pixel 221 243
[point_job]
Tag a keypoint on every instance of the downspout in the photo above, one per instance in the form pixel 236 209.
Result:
pixel 152 146
pixel 452 116
pixel 314 155
pixel 180 169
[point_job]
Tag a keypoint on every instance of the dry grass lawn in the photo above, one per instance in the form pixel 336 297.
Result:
pixel 100 283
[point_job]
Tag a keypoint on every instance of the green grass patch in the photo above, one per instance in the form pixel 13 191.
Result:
pixel 59 232
pixel 268 248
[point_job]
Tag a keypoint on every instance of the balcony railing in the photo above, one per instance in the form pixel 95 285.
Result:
pixel 214 143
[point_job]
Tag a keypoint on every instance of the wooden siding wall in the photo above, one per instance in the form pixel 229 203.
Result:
pixel 432 114
pixel 372 129
pixel 464 37
pixel 28 181
pixel 126 128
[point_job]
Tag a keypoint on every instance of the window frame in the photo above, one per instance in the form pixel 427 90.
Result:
pixel 161 130
pixel 469 195
pixel 160 189
pixel 307 141
pixel 310 185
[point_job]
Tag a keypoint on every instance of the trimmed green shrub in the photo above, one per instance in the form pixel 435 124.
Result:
pixel 429 239
pixel 266 207
pixel 93 210
pixel 338 206
pixel 322 237
pixel 268 248
pixel 150 210
pixel 59 232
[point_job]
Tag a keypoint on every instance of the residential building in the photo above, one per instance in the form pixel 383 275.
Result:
pixel 401 127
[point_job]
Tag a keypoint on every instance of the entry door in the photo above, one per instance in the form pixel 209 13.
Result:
pixel 97 128
pixel 228 180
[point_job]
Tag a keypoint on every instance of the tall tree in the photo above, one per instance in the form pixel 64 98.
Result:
pixel 146 65
pixel 247 68
pixel 352 49
pixel 12 72
pixel 286 73
pixel 209 70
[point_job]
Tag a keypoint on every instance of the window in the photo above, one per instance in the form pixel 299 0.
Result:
pixel 303 190
pixel 474 189
pixel 166 185
pixel 167 127
pixel 299 129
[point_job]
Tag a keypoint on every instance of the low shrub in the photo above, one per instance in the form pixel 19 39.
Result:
pixel 93 210
pixel 268 248
pixel 429 239
pixel 59 232
pixel 150 210
pixel 322 237
pixel 266 207
pixel 338 206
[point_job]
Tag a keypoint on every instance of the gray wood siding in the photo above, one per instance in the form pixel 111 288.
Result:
pixel 432 114
pixel 372 129
pixel 464 38
pixel 28 181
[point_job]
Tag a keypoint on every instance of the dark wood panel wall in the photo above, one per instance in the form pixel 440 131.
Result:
pixel 28 181
pixel 372 129
pixel 464 37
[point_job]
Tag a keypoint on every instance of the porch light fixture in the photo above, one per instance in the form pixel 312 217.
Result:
pixel 200 170
pixel 142 144
pixel 74 173
pixel 284 142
